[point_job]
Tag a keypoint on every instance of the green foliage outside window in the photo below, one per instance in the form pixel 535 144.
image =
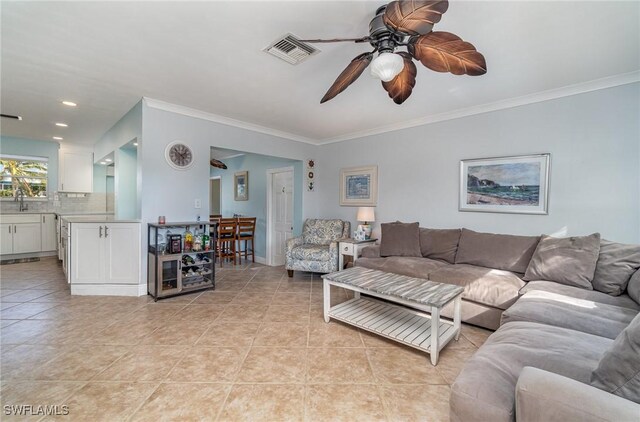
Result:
pixel 29 174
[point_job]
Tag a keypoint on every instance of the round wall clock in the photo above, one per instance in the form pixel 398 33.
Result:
pixel 178 155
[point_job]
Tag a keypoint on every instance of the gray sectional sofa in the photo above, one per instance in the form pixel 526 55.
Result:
pixel 560 352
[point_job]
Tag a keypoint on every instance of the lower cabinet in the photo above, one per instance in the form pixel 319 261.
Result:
pixel 20 237
pixel 48 232
pixel 105 253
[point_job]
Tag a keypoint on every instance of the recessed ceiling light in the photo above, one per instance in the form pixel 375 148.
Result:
pixel 108 160
pixel 58 138
pixel 62 124
pixel 135 144
pixel 69 103
pixel 103 162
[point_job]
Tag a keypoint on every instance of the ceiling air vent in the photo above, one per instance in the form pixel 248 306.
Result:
pixel 290 49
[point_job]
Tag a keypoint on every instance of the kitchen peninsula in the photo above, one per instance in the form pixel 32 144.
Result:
pixel 102 255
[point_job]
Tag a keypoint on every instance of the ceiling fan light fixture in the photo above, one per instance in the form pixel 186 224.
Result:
pixel 387 66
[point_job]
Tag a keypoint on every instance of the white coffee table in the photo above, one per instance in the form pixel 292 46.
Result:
pixel 416 322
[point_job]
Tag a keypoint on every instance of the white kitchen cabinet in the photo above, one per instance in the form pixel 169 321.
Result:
pixel 105 253
pixel 48 232
pixel 6 238
pixel 75 171
pixel 20 234
pixel 26 238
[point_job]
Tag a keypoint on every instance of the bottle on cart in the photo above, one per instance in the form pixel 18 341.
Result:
pixel 188 240
pixel 205 242
pixel 197 242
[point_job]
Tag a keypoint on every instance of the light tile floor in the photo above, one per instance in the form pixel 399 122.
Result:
pixel 254 349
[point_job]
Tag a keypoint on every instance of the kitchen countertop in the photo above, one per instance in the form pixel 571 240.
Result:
pixel 93 219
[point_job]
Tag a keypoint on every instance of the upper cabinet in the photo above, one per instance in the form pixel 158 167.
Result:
pixel 75 170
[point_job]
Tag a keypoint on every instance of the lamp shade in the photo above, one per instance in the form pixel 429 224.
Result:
pixel 366 214
pixel 386 66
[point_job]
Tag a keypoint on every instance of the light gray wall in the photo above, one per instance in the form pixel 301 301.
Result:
pixel 172 193
pixel 593 138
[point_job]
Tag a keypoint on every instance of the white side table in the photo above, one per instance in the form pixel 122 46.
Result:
pixel 351 247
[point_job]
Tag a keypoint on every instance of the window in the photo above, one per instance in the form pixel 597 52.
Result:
pixel 23 174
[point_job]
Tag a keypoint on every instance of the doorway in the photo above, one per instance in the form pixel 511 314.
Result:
pixel 214 195
pixel 279 213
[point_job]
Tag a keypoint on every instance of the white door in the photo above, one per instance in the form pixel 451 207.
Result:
pixel 282 214
pixel 122 247
pixel 26 238
pixel 86 260
pixel 6 238
pixel 76 171
pixel 48 232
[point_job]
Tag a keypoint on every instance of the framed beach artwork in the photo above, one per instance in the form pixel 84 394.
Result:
pixel 505 184
pixel 359 186
pixel 241 186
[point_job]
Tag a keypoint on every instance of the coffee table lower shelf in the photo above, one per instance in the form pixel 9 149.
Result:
pixel 404 325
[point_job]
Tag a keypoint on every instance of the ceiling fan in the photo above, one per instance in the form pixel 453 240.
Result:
pixel 407 24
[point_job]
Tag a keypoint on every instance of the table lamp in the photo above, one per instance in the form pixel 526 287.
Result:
pixel 366 215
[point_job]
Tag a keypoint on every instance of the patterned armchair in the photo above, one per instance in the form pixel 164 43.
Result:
pixel 317 249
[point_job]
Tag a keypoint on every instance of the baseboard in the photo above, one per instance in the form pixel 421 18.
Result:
pixel 261 260
pixel 29 255
pixel 108 289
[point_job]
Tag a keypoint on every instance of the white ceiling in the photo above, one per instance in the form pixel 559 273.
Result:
pixel 207 55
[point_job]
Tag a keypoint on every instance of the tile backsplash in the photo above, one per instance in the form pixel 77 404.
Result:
pixel 67 203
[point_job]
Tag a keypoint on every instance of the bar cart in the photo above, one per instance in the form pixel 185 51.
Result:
pixel 181 258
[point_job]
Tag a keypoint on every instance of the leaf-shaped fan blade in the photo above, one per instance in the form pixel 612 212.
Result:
pixel 414 17
pixel 348 76
pixel 217 163
pixel 446 52
pixel 400 87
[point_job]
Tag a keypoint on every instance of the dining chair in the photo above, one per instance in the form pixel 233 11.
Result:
pixel 226 239
pixel 245 233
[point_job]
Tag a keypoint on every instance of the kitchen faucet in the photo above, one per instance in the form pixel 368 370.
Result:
pixel 20 194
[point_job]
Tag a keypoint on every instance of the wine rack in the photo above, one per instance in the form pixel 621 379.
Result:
pixel 175 271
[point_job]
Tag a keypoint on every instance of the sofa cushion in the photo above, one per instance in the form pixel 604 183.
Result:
pixel 485 389
pixel 487 286
pixel 568 312
pixel 615 266
pixel 371 263
pixel 310 252
pixel 500 251
pixel 400 239
pixel 570 260
pixel 321 232
pixel 633 288
pixel 439 243
pixel 412 266
pixel 371 251
pixel 622 301
pixel 619 369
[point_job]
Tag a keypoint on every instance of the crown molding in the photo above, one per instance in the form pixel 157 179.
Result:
pixel 199 114
pixel 566 91
pixel 552 94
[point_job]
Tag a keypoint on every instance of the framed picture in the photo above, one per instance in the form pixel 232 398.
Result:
pixel 359 186
pixel 505 184
pixel 241 186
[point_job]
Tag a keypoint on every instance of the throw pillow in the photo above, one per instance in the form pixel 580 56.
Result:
pixel 618 371
pixel 400 239
pixel 321 232
pixel 633 288
pixel 500 251
pixel 439 244
pixel 616 264
pixel 570 260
